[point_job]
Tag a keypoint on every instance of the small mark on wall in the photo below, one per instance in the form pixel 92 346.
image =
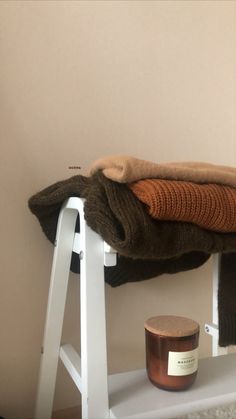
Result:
pixel 74 167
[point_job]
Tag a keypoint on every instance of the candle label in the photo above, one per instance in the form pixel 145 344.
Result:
pixel 183 363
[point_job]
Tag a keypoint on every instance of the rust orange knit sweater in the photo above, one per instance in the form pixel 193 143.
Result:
pixel 210 206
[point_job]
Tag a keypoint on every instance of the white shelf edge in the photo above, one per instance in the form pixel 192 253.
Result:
pixel 133 396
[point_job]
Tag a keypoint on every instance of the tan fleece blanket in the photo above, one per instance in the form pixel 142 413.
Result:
pixel 126 169
pixel 210 206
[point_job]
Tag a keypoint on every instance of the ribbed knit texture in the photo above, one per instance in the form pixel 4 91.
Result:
pixel 112 210
pixel 227 300
pixel 125 169
pixel 46 206
pixel 210 206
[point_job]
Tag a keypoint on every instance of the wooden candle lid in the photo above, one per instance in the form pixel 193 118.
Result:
pixel 174 326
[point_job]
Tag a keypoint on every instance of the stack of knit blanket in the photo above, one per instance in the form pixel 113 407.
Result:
pixel 125 214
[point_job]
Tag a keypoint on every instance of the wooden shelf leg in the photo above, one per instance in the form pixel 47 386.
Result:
pixel 93 325
pixel 55 312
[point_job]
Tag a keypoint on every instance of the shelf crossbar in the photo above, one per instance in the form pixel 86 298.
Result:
pixel 72 362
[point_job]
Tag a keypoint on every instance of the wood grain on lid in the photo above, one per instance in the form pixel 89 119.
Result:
pixel 174 326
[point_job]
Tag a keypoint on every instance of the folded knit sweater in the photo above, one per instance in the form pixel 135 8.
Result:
pixel 125 169
pixel 210 206
pixel 112 210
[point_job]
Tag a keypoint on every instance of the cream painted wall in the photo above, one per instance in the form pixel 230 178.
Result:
pixel 80 80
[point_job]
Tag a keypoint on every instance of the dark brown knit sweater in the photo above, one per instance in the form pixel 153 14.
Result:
pixel 227 300
pixel 121 219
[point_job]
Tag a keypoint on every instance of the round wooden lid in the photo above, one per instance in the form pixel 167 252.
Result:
pixel 174 326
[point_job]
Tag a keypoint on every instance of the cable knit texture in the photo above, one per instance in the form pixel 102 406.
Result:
pixel 226 300
pixel 210 206
pixel 112 210
pixel 126 169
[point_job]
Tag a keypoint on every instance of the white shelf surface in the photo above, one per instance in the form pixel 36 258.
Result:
pixel 131 395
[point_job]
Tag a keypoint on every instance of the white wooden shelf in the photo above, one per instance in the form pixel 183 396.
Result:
pixel 131 395
pixel 125 395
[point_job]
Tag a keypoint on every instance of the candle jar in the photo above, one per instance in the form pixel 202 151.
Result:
pixel 171 351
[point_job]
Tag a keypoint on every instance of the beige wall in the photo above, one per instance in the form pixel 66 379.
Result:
pixel 80 80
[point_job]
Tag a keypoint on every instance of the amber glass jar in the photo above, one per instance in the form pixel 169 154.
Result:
pixel 171 351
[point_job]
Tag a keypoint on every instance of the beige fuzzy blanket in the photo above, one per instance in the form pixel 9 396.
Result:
pixel 126 169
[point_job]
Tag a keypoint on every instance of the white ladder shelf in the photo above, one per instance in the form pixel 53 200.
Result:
pixel 125 395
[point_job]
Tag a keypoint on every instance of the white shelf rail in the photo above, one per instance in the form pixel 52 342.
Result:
pixel 93 367
pixel 89 372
